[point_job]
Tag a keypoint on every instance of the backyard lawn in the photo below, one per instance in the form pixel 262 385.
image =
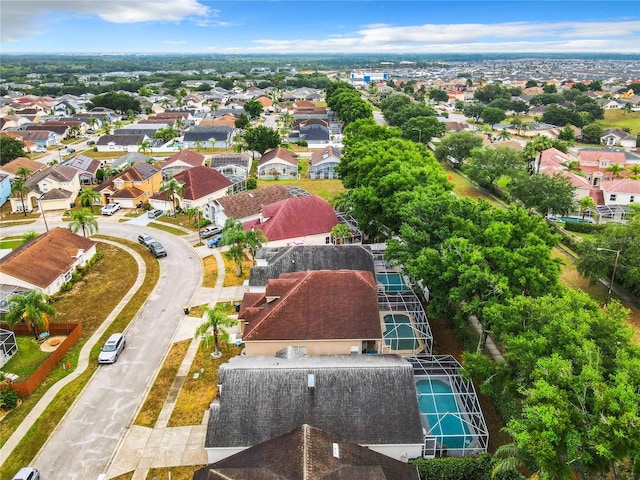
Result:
pixel 620 119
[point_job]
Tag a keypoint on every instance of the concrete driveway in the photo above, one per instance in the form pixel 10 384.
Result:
pixel 86 438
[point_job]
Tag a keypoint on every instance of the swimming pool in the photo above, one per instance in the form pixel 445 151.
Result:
pixel 392 281
pixel 441 415
pixel 398 332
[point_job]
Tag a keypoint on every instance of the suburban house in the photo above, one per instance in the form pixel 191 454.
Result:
pixel 319 312
pixel 218 136
pixel 47 261
pixel 623 191
pixel 129 159
pixel 42 138
pixel 200 185
pixel 323 163
pixel 369 400
pixel 305 220
pixel 121 143
pixel 86 166
pixel 179 162
pixel 55 188
pixel 11 168
pixel 615 136
pixel 245 206
pixel 234 166
pixel 597 164
pixel 308 452
pixel 278 163
pixel 135 184
pixel 273 262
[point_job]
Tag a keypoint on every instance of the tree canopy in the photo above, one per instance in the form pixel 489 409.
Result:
pixel 458 146
pixel 261 138
pixel 10 149
pixel 120 102
pixel 253 107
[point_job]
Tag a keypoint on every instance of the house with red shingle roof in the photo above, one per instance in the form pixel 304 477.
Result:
pixel 181 161
pixel 47 261
pixel 305 220
pixel 278 163
pixel 318 311
pixel 621 191
pixel 201 185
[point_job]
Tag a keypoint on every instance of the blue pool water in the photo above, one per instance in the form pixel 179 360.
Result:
pixel 398 333
pixel 440 409
pixel 392 281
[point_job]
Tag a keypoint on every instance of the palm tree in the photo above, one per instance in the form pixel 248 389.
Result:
pixel 143 146
pixel 198 144
pixel 173 188
pixel 93 122
pixel 23 172
pixel 586 204
pixel 503 135
pixel 118 124
pixel 83 219
pixel 616 169
pixel 210 329
pixel 340 232
pixel 19 187
pixel 239 242
pixel 192 212
pixel 32 308
pixel 634 169
pixel 88 197
pixel 573 165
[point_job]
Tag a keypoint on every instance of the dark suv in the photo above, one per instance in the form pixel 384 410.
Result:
pixel 157 249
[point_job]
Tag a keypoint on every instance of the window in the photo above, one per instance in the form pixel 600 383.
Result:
pixel 612 197
pixel 632 198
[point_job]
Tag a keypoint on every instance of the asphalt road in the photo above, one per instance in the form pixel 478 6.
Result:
pixel 83 443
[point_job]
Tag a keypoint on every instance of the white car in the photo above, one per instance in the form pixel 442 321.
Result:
pixel 110 208
pixel 112 348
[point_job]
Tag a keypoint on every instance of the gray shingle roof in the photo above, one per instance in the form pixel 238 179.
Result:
pixel 310 257
pixel 366 399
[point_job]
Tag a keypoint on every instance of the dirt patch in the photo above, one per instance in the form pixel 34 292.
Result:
pixel 52 343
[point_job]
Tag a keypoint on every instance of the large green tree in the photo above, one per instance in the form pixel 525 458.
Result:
pixel 487 164
pixel 423 129
pixel 261 138
pixel 253 107
pixel 240 242
pixel 457 146
pixel 10 149
pixel 31 308
pixel 493 115
pixel 545 193
pixel 118 101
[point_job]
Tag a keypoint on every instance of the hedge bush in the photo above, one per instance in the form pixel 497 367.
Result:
pixel 584 227
pixel 467 468
pixel 8 398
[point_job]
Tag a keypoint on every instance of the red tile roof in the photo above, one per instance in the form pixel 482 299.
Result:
pixel 626 185
pixel 42 260
pixel 316 305
pixel 201 181
pixel 297 217
pixel 597 155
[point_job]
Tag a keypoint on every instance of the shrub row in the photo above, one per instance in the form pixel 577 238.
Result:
pixel 468 468
pixel 583 227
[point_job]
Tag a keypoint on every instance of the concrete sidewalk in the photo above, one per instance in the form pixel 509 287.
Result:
pixel 143 448
pixel 83 360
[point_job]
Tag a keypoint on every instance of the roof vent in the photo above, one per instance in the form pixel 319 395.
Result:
pixel 311 381
pixel 336 450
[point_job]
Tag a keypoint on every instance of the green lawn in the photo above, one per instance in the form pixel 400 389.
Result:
pixel 27 359
pixel 12 244
pixel 620 119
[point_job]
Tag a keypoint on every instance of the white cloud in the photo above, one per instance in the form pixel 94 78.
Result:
pixel 22 18
pixel 621 37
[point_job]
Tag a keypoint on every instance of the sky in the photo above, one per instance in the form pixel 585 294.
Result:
pixel 330 26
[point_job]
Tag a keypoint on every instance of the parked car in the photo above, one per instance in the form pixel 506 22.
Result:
pixel 145 239
pixel 112 348
pixel 157 249
pixel 154 213
pixel 210 231
pixel 27 473
pixel 110 208
pixel 91 142
pixel 41 150
pixel 215 241
pixel 71 150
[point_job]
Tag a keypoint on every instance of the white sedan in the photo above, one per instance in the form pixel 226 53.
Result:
pixel 110 208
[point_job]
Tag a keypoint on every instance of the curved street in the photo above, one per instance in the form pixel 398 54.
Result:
pixel 86 438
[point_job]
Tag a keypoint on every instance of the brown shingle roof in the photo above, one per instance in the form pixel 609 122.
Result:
pixel 250 203
pixel 187 156
pixel 316 305
pixel 43 259
pixel 13 166
pixel 308 452
pixel 281 153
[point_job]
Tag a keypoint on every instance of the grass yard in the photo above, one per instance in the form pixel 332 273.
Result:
pixel 620 119
pixel 27 449
pixel 172 473
pixel 326 189
pixel 210 266
pixel 180 220
pixel 28 358
pixel 154 402
pixel 164 228
pixel 230 277
pixel 12 244
pixel 197 393
pixel 463 188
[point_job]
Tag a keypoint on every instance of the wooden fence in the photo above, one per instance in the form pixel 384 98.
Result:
pixel 73 331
